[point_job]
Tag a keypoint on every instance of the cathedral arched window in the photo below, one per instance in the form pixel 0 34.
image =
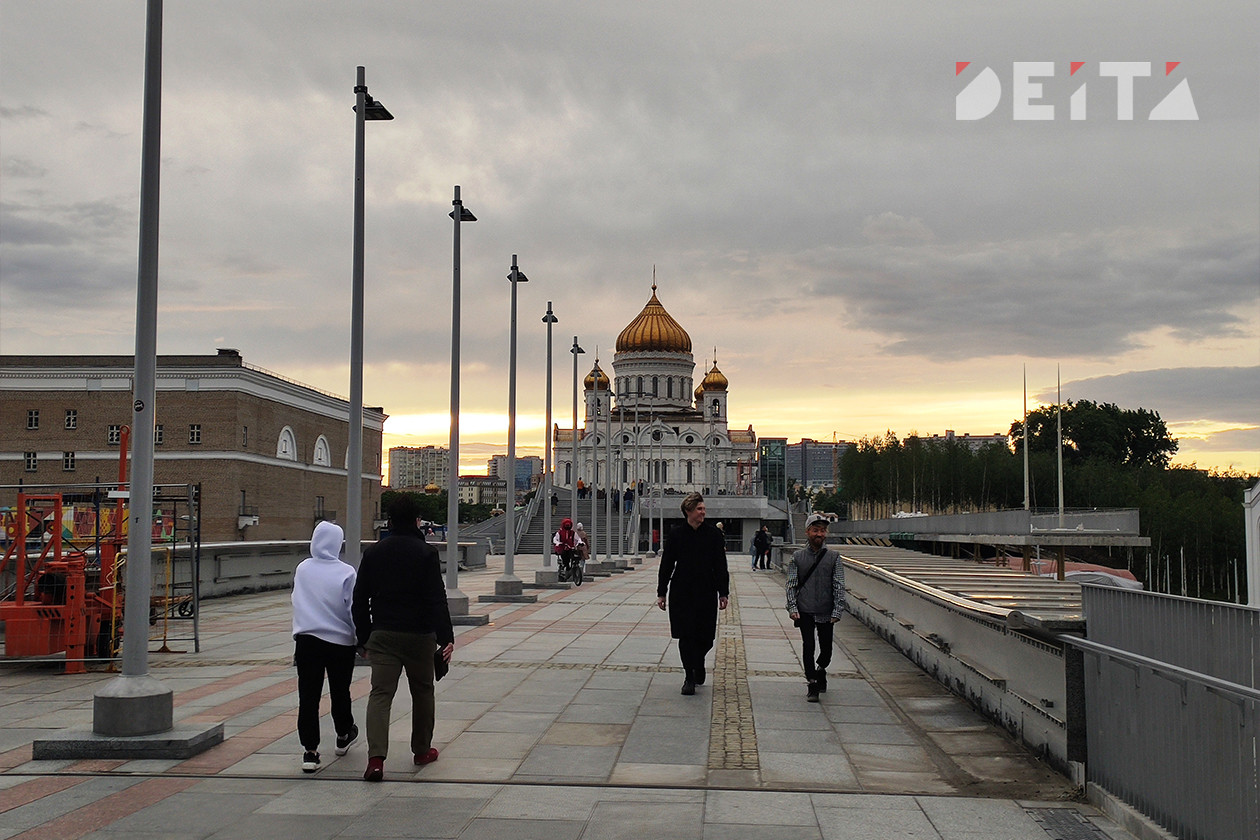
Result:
pixel 656 391
pixel 286 446
pixel 669 387
pixel 717 408
pixel 323 452
pixel 639 392
pixel 568 472
pixel 690 479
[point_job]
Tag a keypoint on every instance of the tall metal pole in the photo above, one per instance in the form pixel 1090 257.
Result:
pixel 354 452
pixel 621 484
pixel 134 703
pixel 1058 416
pixel 608 490
pixel 573 477
pixel 509 583
pixel 1026 488
pixel 456 600
pixel 548 319
pixel 594 532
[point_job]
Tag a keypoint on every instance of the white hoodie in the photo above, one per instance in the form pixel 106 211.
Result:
pixel 323 587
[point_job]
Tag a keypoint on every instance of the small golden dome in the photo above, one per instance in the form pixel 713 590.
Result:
pixel 714 380
pixel 699 392
pixel 654 329
pixel 596 380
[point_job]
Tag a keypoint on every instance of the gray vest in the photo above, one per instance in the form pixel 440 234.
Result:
pixel 815 597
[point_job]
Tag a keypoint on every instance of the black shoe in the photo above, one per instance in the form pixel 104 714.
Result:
pixel 812 694
pixel 697 676
pixel 822 682
pixel 344 741
pixel 689 688
pixel 310 761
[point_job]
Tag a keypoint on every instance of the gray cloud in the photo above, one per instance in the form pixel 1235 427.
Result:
pixel 1227 394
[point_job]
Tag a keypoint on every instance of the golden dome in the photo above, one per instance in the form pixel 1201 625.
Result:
pixel 699 392
pixel 654 329
pixel 714 380
pixel 596 375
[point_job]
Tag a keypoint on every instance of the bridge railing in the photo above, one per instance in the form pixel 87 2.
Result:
pixel 1173 710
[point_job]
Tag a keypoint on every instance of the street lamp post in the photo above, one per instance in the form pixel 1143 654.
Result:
pixel 509 584
pixel 365 108
pixel 608 476
pixel 548 319
pixel 573 470
pixel 457 601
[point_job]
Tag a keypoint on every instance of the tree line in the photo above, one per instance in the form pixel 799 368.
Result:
pixel 1113 458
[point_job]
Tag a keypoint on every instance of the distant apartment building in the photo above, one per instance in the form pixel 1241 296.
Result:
pixel 815 463
pixel 268 453
pixel 527 467
pixel 482 490
pixel 416 467
pixel 973 442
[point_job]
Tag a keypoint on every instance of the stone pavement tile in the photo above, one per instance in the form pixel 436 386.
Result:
pixel 898 757
pixel 955 817
pixel 450 708
pixel 853 692
pixel 631 773
pixel 461 769
pixel 109 833
pixel 865 801
pixel 976 743
pixel 260 764
pixel 754 807
pixel 586 734
pixel 586 713
pixel 484 828
pixel 875 733
pixel 325 798
pixel 894 781
pixel 620 680
pixel 842 713
pixel 602 696
pixel 443 790
pixel 518 722
pixel 825 772
pixel 807 719
pixel 798 741
pixel 544 802
pixel 957 719
pixel 724 831
pixel 864 824
pixel 655 739
pixel 190 812
pixel 230 786
pixel 1006 767
pixel 406 817
pixel 638 820
pixel 490 745
pixel 148 766
pixel 568 762
pixel 304 826
pixel 62 801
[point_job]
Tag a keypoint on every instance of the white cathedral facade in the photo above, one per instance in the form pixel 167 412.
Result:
pixel 665 433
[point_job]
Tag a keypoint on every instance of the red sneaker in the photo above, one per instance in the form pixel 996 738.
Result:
pixel 375 770
pixel 428 758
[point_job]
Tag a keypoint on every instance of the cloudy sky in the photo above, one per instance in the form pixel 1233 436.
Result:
pixel 860 259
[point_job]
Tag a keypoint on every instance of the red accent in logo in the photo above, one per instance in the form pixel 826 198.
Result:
pixel 960 66
pixel 1170 66
pixel 1076 65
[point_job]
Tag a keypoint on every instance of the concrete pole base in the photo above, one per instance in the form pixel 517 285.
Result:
pixel 546 577
pixel 456 602
pixel 509 585
pixel 132 705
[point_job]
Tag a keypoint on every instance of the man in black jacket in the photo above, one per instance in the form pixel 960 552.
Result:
pixel 401 619
pixel 693 573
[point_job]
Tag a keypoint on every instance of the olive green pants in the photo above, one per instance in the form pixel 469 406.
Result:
pixel 390 653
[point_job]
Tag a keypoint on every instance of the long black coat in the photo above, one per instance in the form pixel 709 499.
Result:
pixel 693 573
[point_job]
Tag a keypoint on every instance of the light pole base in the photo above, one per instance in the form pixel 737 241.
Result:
pixel 545 577
pixel 456 602
pixel 178 742
pixel 129 705
pixel 509 585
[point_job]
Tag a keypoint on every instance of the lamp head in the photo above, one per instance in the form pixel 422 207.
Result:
pixel 373 110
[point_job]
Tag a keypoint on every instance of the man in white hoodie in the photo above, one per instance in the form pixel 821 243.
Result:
pixel 323 634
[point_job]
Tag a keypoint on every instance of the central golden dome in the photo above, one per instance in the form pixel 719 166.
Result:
pixel 654 329
pixel 596 380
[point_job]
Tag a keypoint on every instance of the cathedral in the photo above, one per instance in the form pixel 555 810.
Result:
pixel 665 433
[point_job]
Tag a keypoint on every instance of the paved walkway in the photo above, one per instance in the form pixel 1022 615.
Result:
pixel 560 719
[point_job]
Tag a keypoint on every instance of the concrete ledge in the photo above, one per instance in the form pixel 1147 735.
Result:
pixel 507 599
pixel 1131 820
pixel 470 620
pixel 181 741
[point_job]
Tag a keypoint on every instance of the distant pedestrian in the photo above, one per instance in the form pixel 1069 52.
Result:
pixel 401 619
pixel 323 641
pixel 555 502
pixel 762 542
pixel 629 499
pixel 815 600
pixel 693 574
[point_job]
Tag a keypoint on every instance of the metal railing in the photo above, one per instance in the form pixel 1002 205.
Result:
pixel 1173 710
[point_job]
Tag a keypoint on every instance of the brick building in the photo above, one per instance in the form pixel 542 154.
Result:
pixel 258 444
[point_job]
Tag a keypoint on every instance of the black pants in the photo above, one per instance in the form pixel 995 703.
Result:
pixel 314 658
pixel 692 650
pixel 823 631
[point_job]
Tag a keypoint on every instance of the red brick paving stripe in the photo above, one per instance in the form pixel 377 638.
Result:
pixel 240 746
pixel 249 701
pixel 18 755
pixel 108 810
pixel 27 792
pixel 226 683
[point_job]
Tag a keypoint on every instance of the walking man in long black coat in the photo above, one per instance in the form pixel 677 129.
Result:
pixel 693 574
